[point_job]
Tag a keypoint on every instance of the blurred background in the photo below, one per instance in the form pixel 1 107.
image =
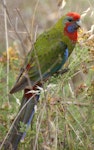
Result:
pixel 70 98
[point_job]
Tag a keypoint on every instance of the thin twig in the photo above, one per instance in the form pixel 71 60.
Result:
pixel 39 121
pixel 19 13
pixel 33 17
pixel 75 132
pixel 57 125
pixel 7 45
pixel 76 103
pixel 20 32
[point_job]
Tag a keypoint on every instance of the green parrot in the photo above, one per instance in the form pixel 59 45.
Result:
pixel 48 54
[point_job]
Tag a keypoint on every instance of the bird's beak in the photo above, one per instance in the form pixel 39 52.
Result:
pixel 78 23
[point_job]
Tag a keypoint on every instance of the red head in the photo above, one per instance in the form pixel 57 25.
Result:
pixel 72 23
pixel 74 15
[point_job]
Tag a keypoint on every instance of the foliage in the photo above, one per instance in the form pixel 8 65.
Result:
pixel 64 118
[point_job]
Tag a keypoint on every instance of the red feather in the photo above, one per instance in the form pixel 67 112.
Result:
pixel 74 15
pixel 72 36
pixel 28 66
pixel 29 94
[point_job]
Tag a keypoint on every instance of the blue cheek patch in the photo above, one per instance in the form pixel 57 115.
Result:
pixel 71 28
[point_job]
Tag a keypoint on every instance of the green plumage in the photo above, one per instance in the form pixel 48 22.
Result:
pixel 47 54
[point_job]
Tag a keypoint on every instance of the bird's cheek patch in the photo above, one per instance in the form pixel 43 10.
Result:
pixel 71 29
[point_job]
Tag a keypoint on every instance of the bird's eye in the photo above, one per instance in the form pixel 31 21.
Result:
pixel 70 19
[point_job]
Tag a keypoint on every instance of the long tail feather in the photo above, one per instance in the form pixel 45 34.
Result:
pixel 30 119
pixel 26 117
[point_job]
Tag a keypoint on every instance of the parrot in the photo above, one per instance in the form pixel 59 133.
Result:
pixel 48 54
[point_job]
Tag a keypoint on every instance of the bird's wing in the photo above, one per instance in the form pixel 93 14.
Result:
pixel 45 58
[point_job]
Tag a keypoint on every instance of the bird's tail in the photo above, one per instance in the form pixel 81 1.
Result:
pixel 25 115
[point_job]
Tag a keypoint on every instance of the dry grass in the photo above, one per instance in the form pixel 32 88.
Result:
pixel 64 119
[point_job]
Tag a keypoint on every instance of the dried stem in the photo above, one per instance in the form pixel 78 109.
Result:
pixel 7 45
pixel 19 13
pixel 33 18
